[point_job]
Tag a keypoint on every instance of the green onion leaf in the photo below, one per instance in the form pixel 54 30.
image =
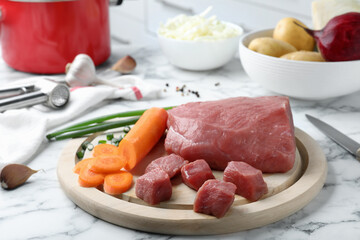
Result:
pixel 109 136
pixel 127 129
pixel 85 145
pixel 90 146
pixel 80 154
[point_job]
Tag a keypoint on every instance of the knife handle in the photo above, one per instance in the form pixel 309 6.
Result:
pixel 358 154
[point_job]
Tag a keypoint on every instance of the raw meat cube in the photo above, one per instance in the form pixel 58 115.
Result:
pixel 154 187
pixel 171 164
pixel 248 180
pixel 259 131
pixel 194 174
pixel 215 197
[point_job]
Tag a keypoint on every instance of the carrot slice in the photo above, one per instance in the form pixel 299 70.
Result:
pixel 80 164
pixel 117 183
pixel 107 164
pixel 143 136
pixel 88 178
pixel 105 150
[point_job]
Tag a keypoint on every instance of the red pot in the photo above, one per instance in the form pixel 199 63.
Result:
pixel 42 36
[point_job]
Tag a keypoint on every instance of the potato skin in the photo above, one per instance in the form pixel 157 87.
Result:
pixel 270 46
pixel 304 56
pixel 286 30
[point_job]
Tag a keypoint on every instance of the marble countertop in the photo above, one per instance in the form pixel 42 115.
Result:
pixel 41 210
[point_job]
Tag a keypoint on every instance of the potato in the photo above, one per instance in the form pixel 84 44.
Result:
pixel 270 46
pixel 286 30
pixel 304 56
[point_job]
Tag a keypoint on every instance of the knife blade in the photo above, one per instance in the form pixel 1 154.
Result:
pixel 338 137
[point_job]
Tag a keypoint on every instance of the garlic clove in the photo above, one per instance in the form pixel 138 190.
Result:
pixel 14 175
pixel 125 65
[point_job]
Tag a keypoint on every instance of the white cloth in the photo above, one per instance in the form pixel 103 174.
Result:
pixel 22 131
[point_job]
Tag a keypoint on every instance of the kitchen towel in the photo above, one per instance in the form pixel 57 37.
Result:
pixel 22 131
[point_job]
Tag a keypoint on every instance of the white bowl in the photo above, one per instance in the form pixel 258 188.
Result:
pixel 299 79
pixel 200 55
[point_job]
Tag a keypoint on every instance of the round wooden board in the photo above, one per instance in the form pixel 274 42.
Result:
pixel 288 193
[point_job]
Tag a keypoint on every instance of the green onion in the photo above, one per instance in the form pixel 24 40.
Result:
pixel 102 142
pixel 60 132
pixel 116 141
pixel 90 146
pixel 95 128
pixel 108 117
pixel 85 145
pixel 97 125
pixel 80 154
pixel 109 136
pixel 127 129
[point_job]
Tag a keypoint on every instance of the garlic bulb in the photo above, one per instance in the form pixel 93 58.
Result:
pixel 82 72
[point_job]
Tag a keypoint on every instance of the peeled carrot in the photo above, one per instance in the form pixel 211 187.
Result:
pixel 143 136
pixel 88 178
pixel 80 164
pixel 117 183
pixel 107 164
pixel 105 149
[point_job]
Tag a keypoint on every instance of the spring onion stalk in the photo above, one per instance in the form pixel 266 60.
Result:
pixel 112 116
pixel 95 128
pixel 94 123
pixel 72 129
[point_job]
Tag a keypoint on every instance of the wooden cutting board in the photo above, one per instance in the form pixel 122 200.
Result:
pixel 288 192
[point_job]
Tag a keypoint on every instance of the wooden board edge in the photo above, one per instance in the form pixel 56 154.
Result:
pixel 187 222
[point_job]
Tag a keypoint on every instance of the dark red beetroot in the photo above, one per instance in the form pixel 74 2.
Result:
pixel 248 180
pixel 171 164
pixel 259 131
pixel 215 198
pixel 339 40
pixel 154 187
pixel 194 174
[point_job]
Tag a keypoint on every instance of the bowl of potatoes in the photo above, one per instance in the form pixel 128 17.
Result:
pixel 284 60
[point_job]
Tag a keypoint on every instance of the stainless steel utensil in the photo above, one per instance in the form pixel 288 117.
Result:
pixel 338 137
pixel 46 91
pixel 14 91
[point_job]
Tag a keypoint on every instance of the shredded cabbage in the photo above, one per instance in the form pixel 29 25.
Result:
pixel 197 28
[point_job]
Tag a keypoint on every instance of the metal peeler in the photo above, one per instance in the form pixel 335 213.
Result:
pixel 45 91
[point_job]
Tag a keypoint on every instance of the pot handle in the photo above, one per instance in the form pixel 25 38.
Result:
pixel 115 2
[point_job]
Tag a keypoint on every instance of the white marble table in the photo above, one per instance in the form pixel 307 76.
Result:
pixel 41 210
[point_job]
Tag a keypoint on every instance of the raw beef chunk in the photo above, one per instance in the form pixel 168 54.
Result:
pixel 194 174
pixel 154 187
pixel 171 164
pixel 215 198
pixel 258 131
pixel 248 180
